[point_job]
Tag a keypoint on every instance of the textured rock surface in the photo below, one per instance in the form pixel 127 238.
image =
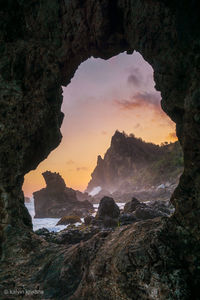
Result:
pixel 107 214
pixel 42 44
pixel 135 211
pixel 131 206
pixel 56 200
pixel 131 164
pixel 69 220
pixel 107 208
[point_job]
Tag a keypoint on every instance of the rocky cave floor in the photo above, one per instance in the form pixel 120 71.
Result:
pixel 135 261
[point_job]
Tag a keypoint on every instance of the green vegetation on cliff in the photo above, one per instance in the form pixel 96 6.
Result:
pixel 132 162
pixel 166 167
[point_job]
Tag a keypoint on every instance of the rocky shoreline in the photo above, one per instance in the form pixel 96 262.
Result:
pixel 108 217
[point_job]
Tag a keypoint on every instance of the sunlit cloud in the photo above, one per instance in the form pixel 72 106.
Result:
pixel 140 100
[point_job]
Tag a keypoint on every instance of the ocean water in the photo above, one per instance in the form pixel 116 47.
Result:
pixel 50 223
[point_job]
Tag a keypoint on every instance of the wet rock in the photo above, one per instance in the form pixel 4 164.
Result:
pixel 108 213
pixel 42 231
pixel 132 205
pixel 69 220
pixel 164 207
pixel 88 220
pixel 145 213
pixel 109 222
pixel 107 208
pixel 127 218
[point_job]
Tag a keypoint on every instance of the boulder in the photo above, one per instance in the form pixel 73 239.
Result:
pixel 108 213
pixel 132 205
pixel 107 208
pixel 109 222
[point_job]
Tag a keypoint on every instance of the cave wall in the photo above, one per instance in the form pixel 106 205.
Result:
pixel 43 43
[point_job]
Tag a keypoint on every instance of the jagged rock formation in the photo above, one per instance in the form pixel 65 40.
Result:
pixel 131 164
pixel 42 44
pixel 57 200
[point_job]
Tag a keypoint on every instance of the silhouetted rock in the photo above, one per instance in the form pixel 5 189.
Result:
pixel 107 208
pixel 56 200
pixel 54 181
pixel 108 213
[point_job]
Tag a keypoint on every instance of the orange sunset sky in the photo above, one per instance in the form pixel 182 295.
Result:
pixel 103 96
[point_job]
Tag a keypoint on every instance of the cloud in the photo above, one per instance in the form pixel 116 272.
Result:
pixel 133 80
pixel 81 169
pixel 140 100
pixel 146 101
pixel 135 77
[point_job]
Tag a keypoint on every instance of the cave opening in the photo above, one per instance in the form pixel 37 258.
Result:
pixel 106 97
pixel 159 259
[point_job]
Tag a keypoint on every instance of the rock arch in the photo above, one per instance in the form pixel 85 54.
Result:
pixel 43 43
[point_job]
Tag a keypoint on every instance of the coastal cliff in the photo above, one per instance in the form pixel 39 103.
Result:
pixel 131 164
